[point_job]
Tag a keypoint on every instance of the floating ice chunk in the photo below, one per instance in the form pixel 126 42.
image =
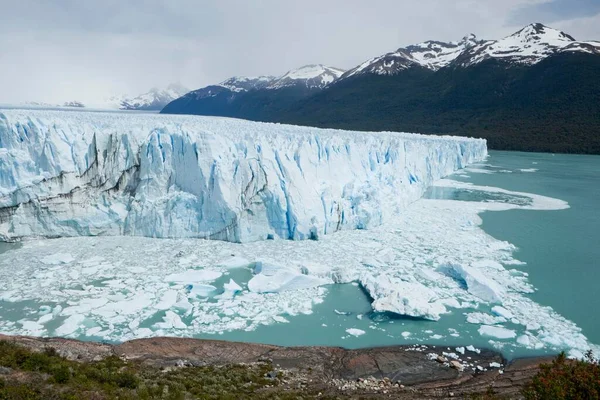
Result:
pixel 473 349
pixel 460 350
pixel 32 327
pixel 342 312
pixel 524 340
pixel 85 306
pixel 93 331
pixel 144 333
pixel 405 334
pixel 495 365
pixel 436 337
pixel 528 169
pixel 496 332
pixel 279 318
pixel 45 318
pixel 232 286
pixel 502 312
pixel 355 332
pixel 272 278
pixel 171 320
pixel 234 262
pixel 70 325
pixel 184 305
pixel 58 258
pixel 477 283
pixel 483 318
pixel 193 276
pixel 129 306
pixel 404 298
pixel 201 290
pixel 168 299
pixel 230 289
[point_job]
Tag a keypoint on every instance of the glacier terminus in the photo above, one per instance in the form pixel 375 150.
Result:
pixel 71 173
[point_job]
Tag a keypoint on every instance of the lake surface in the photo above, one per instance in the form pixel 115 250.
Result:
pixel 561 249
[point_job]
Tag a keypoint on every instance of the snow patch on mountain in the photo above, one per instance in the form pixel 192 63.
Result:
pixel 311 76
pixel 246 83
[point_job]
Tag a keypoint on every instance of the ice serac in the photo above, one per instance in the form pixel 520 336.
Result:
pixel 84 173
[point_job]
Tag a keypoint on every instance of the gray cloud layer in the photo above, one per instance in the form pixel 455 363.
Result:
pixel 88 49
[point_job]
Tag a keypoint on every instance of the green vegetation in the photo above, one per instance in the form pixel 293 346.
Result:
pixel 566 380
pixel 28 375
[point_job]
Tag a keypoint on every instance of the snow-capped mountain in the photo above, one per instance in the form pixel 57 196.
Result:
pixel 154 100
pixel 437 87
pixel 230 87
pixel 528 46
pixel 430 54
pixel 255 97
pixel 435 55
pixel 314 76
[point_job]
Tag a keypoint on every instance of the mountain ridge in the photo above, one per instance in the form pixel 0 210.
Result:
pixel 470 87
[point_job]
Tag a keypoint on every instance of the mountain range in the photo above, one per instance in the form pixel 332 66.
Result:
pixel 535 90
pixel 153 100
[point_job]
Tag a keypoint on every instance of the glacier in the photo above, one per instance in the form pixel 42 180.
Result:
pixel 68 173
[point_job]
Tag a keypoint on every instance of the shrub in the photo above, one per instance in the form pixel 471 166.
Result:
pixel 565 379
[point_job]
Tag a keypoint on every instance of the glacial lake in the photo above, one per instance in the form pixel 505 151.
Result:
pixel 559 250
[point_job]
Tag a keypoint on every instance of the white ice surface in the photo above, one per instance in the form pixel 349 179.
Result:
pixel 355 332
pixel 85 173
pixel 497 332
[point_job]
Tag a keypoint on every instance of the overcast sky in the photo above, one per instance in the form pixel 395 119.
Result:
pixel 59 50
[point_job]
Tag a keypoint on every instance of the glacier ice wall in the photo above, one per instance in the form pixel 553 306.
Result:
pixel 66 173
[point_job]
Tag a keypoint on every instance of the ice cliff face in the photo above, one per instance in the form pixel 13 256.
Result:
pixel 84 173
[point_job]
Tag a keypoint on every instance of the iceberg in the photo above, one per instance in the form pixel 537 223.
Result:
pixel 67 173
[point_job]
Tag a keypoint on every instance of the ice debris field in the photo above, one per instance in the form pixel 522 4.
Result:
pixel 426 260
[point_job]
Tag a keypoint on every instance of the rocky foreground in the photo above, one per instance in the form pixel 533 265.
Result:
pixel 411 372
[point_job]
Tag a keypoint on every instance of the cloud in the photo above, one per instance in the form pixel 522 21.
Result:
pixel 555 10
pixel 63 50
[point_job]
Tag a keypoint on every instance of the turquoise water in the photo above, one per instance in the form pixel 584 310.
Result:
pixel 561 249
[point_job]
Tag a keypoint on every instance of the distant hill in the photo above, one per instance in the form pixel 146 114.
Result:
pixel 535 90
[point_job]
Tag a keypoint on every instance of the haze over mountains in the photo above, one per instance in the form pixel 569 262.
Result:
pixel 153 100
pixel 535 90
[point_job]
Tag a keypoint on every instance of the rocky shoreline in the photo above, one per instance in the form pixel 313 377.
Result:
pixel 417 371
